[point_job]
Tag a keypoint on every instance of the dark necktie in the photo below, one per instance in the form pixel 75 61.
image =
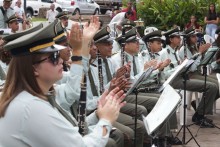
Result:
pixel 176 57
pixel 134 66
pixel 51 99
pixel 5 18
pixel 92 84
pixel 108 73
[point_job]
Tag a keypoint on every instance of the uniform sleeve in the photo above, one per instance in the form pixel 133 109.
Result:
pixel 196 63
pixel 165 74
pixel 51 129
pixel 69 92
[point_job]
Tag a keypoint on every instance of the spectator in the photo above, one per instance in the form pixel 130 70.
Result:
pixel 115 23
pixel 193 23
pixel 5 12
pixel 51 14
pixel 19 12
pixel 211 20
pixel 130 8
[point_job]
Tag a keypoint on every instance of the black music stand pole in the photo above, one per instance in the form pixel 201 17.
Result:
pixel 134 89
pixel 184 126
pixel 208 57
pixel 185 77
pixel 135 117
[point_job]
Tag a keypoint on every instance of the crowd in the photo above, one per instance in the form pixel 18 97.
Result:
pixel 67 87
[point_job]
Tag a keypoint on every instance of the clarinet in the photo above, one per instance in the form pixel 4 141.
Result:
pixel 123 46
pixel 101 90
pixel 83 129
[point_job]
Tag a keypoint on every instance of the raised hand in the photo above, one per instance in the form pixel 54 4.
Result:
pixel 120 82
pixel 111 101
pixel 150 63
pixel 121 71
pixel 75 37
pixel 204 47
pixel 91 29
pixel 164 64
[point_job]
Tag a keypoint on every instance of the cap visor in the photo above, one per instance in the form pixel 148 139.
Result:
pixel 53 48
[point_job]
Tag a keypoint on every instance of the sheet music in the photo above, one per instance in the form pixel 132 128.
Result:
pixel 137 83
pixel 186 63
pixel 209 55
pixel 166 104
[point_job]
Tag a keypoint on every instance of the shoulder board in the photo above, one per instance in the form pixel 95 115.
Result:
pixel 93 64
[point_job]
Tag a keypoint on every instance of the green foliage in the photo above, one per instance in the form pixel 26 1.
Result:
pixel 165 13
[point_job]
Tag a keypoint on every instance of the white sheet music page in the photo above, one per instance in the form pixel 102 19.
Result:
pixel 185 63
pixel 166 104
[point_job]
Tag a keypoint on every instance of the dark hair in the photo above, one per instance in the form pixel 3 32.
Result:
pixel 129 12
pixel 209 12
pixel 168 39
pixel 192 47
pixel 20 77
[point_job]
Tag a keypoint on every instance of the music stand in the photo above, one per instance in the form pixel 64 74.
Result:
pixel 134 89
pixel 181 70
pixel 207 60
pixel 161 114
pixel 185 77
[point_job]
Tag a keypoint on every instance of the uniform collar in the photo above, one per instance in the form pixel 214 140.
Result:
pixel 171 50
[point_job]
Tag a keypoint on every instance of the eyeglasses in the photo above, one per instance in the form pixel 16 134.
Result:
pixel 53 58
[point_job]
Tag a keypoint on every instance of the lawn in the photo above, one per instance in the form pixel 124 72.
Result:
pixel 38 19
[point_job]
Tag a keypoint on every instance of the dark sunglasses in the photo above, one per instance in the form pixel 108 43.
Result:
pixel 53 58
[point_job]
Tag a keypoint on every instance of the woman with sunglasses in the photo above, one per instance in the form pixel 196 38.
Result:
pixel 29 116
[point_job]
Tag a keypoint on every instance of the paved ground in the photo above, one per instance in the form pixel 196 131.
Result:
pixel 207 137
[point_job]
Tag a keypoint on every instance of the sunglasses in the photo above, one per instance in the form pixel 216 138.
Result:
pixel 53 58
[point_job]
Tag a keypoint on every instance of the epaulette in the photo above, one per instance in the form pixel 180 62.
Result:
pixel 93 64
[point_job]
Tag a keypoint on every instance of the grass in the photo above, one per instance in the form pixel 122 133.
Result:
pixel 38 19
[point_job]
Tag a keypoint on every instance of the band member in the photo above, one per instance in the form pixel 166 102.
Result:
pixel 107 76
pixel 63 17
pixel 13 23
pixel 173 42
pixel 116 137
pixel 191 50
pixel 32 94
